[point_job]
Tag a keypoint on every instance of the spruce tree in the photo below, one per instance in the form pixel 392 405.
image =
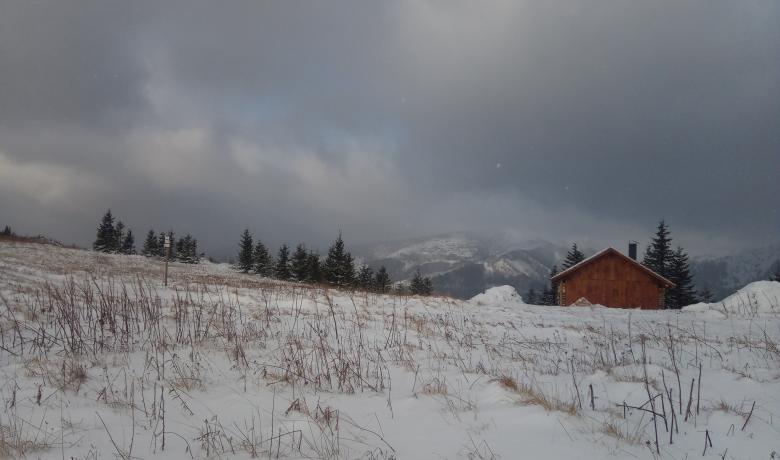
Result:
pixel 245 249
pixel 682 293
pixel 181 253
pixel 573 257
pixel 659 254
pixel 530 297
pixel 553 298
pixel 263 265
pixel 282 270
pixel 365 277
pixel 299 264
pixel 128 243
pixel 339 265
pixel 313 268
pixel 7 231
pixel 775 272
pixel 172 250
pixel 382 281
pixel 150 244
pixel 106 237
pixel 427 286
pixel 161 251
pixel 705 295
pixel 417 285
pixel 119 236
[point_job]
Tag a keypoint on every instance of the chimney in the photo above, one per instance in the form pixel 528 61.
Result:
pixel 632 249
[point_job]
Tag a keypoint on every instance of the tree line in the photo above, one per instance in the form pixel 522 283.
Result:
pixel 307 266
pixel 660 256
pixel 112 238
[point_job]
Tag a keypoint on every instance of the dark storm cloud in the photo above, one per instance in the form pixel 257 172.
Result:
pixel 586 120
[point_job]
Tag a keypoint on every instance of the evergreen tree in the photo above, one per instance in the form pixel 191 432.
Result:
pixel 313 268
pixel 150 244
pixel 172 250
pixel 161 251
pixel 181 253
pixel 299 265
pixel 365 277
pixel 417 285
pixel 706 295
pixel 119 236
pixel 282 270
pixel 573 257
pixel 775 276
pixel 263 264
pixel 7 231
pixel 382 282
pixel 339 265
pixel 551 295
pixel 427 286
pixel 531 297
pixel 682 293
pixel 128 243
pixel 106 236
pixel 659 254
pixel 245 249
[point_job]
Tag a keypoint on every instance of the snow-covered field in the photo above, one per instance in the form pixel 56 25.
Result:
pixel 100 360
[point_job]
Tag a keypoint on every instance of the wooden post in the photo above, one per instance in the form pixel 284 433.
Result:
pixel 167 247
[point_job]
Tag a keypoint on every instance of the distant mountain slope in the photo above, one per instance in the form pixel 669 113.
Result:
pixel 463 264
pixel 726 274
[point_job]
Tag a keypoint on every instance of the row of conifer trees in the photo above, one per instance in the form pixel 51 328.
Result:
pixel 307 266
pixel 112 237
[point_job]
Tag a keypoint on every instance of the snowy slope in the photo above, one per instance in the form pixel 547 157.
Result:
pixel 100 360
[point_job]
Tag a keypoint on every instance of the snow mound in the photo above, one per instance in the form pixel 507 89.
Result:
pixel 497 295
pixel 756 298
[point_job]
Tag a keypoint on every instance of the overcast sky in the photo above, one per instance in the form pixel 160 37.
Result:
pixel 570 120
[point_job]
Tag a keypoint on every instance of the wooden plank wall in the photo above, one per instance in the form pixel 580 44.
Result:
pixel 614 282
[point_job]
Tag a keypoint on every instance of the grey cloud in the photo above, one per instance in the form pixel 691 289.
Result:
pixel 585 120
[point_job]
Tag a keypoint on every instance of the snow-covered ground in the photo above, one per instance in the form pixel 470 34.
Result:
pixel 100 360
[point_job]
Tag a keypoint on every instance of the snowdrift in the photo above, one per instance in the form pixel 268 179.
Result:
pixel 497 296
pixel 760 297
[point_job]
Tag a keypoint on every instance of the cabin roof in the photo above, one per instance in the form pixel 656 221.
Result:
pixel 605 252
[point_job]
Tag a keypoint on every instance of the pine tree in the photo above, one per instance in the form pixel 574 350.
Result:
pixel 245 249
pixel 365 277
pixel 573 257
pixel 313 268
pixel 427 286
pixel 382 281
pixel 106 236
pixel 150 244
pixel 339 265
pixel 553 298
pixel 282 270
pixel 682 293
pixel 659 254
pixel 161 251
pixel 128 243
pixel 299 264
pixel 119 236
pixel 181 253
pixel 263 265
pixel 172 250
pixel 706 295
pixel 417 285
pixel 530 297
pixel 7 231
pixel 775 276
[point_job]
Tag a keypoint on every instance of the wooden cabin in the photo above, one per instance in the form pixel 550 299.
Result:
pixel 612 279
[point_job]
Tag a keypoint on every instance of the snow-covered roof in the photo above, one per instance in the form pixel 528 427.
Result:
pixel 604 252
